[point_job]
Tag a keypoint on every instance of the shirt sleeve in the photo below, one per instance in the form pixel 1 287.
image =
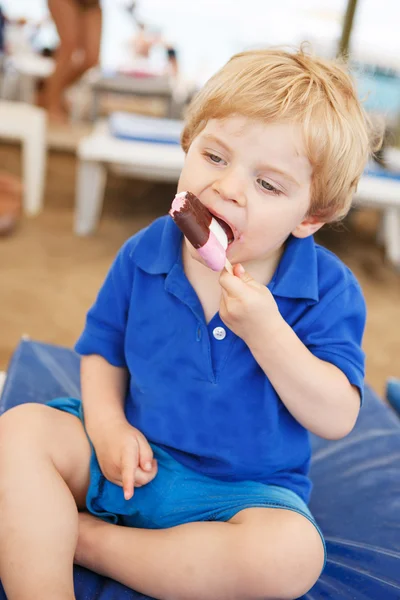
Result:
pixel 104 331
pixel 335 330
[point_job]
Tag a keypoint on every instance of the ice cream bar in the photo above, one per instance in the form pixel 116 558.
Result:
pixel 201 229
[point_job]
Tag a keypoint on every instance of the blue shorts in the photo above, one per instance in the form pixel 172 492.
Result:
pixel 177 494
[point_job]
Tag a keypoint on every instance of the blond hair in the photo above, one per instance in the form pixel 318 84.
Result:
pixel 275 85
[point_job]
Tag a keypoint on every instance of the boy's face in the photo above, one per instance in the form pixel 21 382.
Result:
pixel 255 177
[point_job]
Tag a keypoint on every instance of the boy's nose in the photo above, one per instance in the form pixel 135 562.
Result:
pixel 231 188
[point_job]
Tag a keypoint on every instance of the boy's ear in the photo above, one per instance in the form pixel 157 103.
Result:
pixel 307 227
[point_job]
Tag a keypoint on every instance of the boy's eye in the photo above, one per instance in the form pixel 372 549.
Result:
pixel 216 159
pixel 267 186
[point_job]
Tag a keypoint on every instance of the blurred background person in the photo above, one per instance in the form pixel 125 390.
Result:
pixel 2 30
pixel 10 202
pixel 144 41
pixel 2 42
pixel 79 24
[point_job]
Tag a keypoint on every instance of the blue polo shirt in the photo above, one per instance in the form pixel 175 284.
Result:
pixel 195 388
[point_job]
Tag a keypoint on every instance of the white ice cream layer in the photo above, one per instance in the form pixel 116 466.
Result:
pixel 219 233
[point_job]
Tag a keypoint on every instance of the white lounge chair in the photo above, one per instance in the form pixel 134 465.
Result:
pixel 100 151
pixel 383 192
pixel 27 124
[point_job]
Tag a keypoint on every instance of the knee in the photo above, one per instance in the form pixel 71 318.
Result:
pixel 18 416
pixel 90 60
pixel 21 423
pixel 273 581
pixel 68 49
pixel 280 567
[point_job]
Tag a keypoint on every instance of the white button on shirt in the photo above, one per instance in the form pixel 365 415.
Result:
pixel 219 333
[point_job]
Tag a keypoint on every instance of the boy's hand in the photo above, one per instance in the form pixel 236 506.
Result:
pixel 246 305
pixel 125 456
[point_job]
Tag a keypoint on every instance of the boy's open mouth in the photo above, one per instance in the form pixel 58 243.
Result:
pixel 229 233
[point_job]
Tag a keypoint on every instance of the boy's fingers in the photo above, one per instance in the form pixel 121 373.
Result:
pixel 239 271
pixel 144 477
pixel 145 459
pixel 235 284
pixel 129 463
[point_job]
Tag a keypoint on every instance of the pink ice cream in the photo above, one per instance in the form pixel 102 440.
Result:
pixel 201 229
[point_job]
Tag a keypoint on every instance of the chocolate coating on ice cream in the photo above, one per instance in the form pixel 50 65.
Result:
pixel 193 219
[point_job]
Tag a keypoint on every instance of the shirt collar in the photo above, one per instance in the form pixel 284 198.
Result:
pixel 296 276
pixel 297 273
pixel 160 247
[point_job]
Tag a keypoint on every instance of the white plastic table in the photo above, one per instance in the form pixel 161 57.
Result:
pixel 26 123
pixel 100 151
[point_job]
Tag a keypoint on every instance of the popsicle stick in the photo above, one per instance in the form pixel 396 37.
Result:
pixel 228 267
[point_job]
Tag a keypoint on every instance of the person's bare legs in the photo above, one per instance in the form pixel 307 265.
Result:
pixel 90 25
pixel 78 31
pixel 66 15
pixel 261 553
pixel 44 464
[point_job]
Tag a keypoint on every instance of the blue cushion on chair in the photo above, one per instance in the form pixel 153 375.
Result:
pixel 393 393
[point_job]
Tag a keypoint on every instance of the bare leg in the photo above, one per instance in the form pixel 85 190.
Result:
pixel 90 37
pixel 261 553
pixel 66 15
pixel 44 464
